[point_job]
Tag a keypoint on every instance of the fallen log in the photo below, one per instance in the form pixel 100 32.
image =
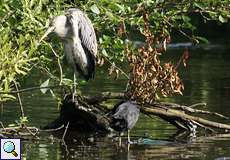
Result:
pixel 81 116
pixel 181 117
pixel 89 114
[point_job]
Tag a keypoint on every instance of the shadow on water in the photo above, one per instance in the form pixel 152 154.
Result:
pixel 89 147
pixel 206 79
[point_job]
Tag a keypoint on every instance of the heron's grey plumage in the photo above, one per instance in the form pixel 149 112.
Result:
pixel 77 33
pixel 125 116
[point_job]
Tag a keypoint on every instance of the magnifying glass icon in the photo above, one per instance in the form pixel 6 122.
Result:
pixel 9 147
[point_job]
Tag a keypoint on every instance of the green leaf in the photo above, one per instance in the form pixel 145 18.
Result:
pixel 222 19
pixel 8 96
pixel 23 119
pixel 95 9
pixel 67 81
pixel 83 82
pixel 52 93
pixel 44 84
pixel 12 125
pixel 200 6
pixel 104 53
pixel 202 39
pixel 121 7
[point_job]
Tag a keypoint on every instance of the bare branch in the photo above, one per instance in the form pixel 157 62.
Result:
pixel 66 128
pixel 198 104
pixel 59 62
pixel 31 89
pixel 125 74
pixel 172 113
pixel 54 130
pixel 19 100
pixel 191 110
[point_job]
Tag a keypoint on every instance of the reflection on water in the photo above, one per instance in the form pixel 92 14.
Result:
pixel 206 79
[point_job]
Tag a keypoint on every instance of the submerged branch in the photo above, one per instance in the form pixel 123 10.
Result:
pixel 54 130
pixel 181 116
pixel 191 110
pixel 66 128
pixel 89 114
pixel 19 131
pixel 31 89
pixel 177 115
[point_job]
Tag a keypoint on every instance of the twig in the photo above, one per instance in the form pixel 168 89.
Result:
pixel 179 62
pixel 33 134
pixel 48 72
pixel 198 104
pixel 59 62
pixel 66 128
pixel 3 136
pixel 191 110
pixel 183 33
pixel 104 96
pixel 205 127
pixel 20 131
pixel 31 89
pixel 66 147
pixel 2 126
pixel 55 129
pixel 19 100
pixel 126 75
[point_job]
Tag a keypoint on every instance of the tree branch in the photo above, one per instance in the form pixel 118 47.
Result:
pixel 175 114
pixel 31 89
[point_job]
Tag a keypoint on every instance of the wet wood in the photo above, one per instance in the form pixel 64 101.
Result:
pixel 89 115
pixel 81 116
pixel 179 116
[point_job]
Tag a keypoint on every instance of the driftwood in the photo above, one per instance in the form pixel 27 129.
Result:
pixel 81 116
pixel 90 115
pixel 22 132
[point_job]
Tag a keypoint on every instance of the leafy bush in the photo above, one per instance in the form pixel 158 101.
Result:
pixel 22 22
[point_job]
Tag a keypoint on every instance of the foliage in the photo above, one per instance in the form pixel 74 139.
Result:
pixel 24 21
pixel 148 76
pixel 21 23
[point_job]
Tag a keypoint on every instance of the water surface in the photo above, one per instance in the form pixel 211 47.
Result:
pixel 206 79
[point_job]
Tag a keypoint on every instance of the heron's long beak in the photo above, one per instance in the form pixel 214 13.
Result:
pixel 49 30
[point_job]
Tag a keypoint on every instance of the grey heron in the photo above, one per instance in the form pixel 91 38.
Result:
pixel 124 117
pixel 76 32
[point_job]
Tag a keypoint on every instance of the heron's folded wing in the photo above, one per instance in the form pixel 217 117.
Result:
pixel 85 30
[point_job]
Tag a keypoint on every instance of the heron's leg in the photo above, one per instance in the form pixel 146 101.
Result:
pixel 119 139
pixel 128 137
pixel 74 87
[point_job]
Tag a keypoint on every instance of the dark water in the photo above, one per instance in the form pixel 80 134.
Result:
pixel 206 79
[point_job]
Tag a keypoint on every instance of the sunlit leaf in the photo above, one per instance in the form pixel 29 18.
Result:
pixel 104 52
pixel 95 9
pixel 52 93
pixel 202 39
pixel 12 125
pixel 222 19
pixel 198 5
pixel 8 96
pixel 23 119
pixel 83 82
pixel 43 85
